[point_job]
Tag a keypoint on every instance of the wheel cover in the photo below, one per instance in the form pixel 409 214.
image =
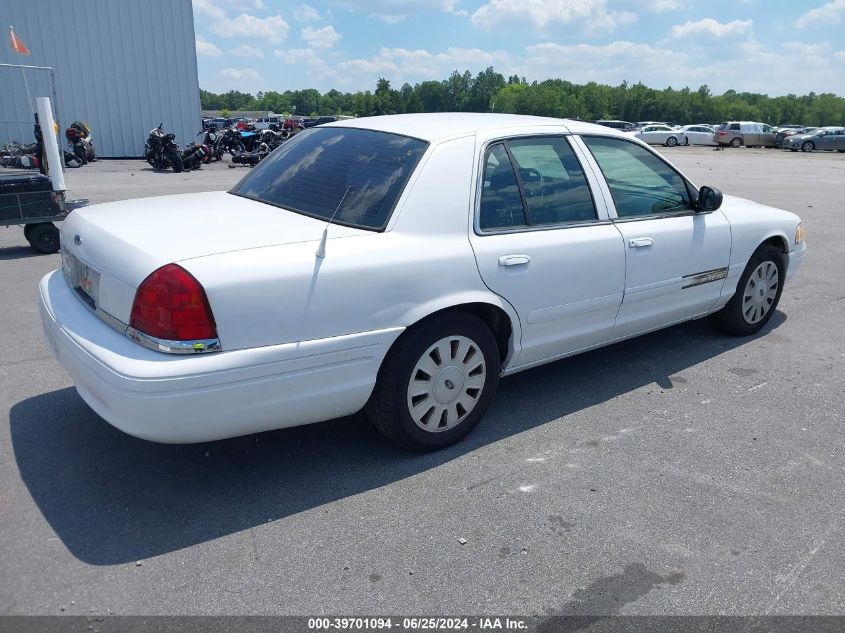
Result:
pixel 446 384
pixel 760 292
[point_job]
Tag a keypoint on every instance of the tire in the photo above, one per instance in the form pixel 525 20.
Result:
pixel 27 229
pixel 469 379
pixel 841 151
pixel 237 148
pixel 175 159
pixel 736 142
pixel 79 152
pixel 753 298
pixel 807 146
pixel 44 238
pixel 671 141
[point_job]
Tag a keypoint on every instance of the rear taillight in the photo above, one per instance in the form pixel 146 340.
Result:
pixel 171 305
pixel 722 133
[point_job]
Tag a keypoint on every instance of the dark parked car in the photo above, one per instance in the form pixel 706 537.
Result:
pixel 830 138
pixel 319 121
pixel 788 130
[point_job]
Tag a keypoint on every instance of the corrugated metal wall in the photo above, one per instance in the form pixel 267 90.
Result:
pixel 124 66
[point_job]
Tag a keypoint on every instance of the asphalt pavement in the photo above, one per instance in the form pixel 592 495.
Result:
pixel 684 472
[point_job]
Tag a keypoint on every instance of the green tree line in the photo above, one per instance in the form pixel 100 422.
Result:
pixel 489 91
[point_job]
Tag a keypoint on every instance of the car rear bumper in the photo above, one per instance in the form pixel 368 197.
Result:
pixel 180 399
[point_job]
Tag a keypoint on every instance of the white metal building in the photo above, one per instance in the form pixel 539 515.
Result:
pixel 123 66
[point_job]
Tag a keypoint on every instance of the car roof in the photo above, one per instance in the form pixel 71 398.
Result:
pixel 444 125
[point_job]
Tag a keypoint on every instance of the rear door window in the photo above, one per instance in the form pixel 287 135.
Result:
pixel 533 182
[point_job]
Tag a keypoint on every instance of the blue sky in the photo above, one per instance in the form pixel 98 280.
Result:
pixel 771 46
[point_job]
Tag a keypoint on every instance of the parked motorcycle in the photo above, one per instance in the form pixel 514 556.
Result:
pixel 254 157
pixel 210 137
pixel 161 150
pixel 80 142
pixel 229 142
pixel 195 155
pixel 272 137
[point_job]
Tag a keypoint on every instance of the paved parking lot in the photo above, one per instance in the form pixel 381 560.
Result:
pixel 684 472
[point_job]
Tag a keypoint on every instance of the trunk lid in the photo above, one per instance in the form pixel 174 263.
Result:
pixel 130 239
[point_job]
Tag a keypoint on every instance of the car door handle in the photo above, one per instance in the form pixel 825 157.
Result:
pixel 514 260
pixel 640 242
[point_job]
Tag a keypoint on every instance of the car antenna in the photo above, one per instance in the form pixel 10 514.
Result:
pixel 321 249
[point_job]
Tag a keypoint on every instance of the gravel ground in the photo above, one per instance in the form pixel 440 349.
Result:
pixel 683 472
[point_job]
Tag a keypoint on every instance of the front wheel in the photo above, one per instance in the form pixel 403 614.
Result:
pixel 671 141
pixel 807 147
pixel 757 294
pixel 436 382
pixel 175 159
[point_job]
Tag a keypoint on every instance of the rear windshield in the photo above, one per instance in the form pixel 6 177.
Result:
pixel 355 175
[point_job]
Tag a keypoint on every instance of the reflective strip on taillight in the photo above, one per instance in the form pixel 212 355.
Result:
pixel 171 305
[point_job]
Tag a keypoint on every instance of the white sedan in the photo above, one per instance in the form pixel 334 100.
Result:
pixel 401 264
pixel 661 135
pixel 699 134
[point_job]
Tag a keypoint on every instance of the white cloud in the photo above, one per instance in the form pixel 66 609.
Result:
pixel 207 48
pixel 402 65
pixel 662 6
pixel 395 11
pixel 217 8
pixel 325 37
pixel 541 14
pixel 390 18
pixel 245 50
pixel 611 63
pixel 708 27
pixel 273 29
pixel 208 7
pixel 306 13
pixel 248 74
pixel 296 55
pixel 831 13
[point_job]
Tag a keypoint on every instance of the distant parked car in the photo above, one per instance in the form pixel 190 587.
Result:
pixel 661 135
pixel 265 122
pixel 319 121
pixel 788 130
pixel 748 133
pixel 829 138
pixel 616 125
pixel 698 134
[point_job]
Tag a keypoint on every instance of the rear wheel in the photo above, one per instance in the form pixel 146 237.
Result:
pixel 44 238
pixel 671 141
pixel 79 152
pixel 808 147
pixel 757 294
pixel 736 142
pixel 436 383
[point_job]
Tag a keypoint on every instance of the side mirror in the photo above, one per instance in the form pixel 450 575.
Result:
pixel 709 199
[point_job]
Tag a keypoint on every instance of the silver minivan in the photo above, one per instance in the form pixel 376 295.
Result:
pixel 748 133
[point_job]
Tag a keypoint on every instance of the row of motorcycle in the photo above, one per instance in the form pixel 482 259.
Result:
pixel 245 144
pixel 28 155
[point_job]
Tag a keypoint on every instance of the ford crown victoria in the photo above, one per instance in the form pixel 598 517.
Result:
pixel 401 264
